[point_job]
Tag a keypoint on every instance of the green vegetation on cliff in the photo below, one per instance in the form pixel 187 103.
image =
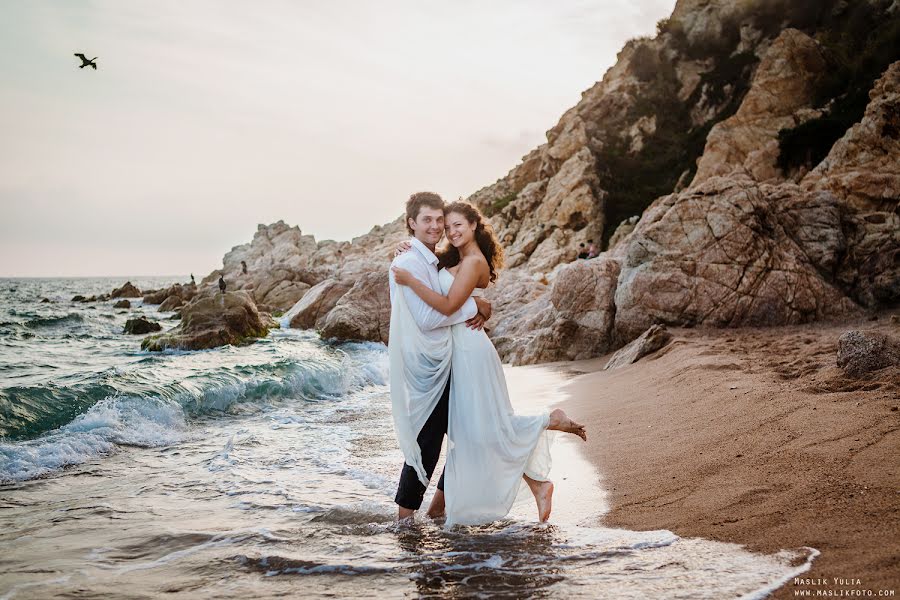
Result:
pixel 860 43
pixel 634 179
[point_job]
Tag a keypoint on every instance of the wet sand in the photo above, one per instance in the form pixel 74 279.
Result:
pixel 754 436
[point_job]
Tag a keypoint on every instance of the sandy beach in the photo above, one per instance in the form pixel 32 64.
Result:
pixel 754 436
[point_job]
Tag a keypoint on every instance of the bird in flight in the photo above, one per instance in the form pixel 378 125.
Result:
pixel 85 62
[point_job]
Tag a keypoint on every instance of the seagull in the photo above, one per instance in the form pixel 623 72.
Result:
pixel 85 62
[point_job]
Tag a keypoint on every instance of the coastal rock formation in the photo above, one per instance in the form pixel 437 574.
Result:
pixel 171 303
pixel 624 228
pixel 141 325
pixel 126 291
pixel 177 292
pixel 863 167
pixel 722 254
pixel 648 342
pixel 860 352
pixel 283 264
pixel 311 310
pixel 682 161
pixel 780 97
pixel 363 313
pixel 214 320
pixel 574 321
pixel 863 171
pixel 122 304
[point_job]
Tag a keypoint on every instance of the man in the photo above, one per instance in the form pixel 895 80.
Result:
pixel 419 348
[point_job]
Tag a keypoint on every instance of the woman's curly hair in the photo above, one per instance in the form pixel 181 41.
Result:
pixel 484 237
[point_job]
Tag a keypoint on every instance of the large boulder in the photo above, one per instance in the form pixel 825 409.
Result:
pixel 285 294
pixel 185 293
pixel 860 352
pixel 315 305
pixel 141 325
pixel 214 320
pixel 126 291
pixel 722 254
pixel 171 303
pixel 647 343
pixel 363 313
pixel 574 321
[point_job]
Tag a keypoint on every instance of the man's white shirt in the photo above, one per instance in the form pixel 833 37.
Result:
pixel 422 263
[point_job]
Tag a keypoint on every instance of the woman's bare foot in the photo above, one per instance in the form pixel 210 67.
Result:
pixel 560 421
pixel 438 506
pixel 543 496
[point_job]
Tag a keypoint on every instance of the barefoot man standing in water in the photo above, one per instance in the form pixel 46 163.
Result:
pixel 419 349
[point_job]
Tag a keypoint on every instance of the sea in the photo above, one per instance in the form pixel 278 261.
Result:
pixel 269 470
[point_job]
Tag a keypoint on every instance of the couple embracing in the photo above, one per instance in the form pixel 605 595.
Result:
pixel 446 376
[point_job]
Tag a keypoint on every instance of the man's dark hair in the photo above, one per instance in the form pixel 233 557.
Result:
pixel 417 201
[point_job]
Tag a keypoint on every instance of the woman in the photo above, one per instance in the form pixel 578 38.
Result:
pixel 490 447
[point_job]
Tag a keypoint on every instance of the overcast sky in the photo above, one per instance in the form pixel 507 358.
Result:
pixel 205 118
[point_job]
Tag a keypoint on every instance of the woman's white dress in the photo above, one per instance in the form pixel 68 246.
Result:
pixel 489 446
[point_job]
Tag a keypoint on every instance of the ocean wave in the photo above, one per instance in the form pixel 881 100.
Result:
pixel 26 412
pixel 108 424
pixel 67 319
pixel 46 428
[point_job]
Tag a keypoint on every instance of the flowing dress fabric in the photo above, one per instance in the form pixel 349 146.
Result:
pixel 419 368
pixel 489 446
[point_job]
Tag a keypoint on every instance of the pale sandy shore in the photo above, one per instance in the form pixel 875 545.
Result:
pixel 754 436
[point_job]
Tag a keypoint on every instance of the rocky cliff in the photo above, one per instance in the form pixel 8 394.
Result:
pixel 742 167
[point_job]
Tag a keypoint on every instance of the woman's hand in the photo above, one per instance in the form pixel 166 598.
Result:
pixel 402 276
pixel 402 247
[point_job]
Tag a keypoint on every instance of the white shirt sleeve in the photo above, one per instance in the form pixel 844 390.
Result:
pixel 426 317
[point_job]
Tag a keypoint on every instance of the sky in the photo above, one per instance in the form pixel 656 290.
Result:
pixel 206 118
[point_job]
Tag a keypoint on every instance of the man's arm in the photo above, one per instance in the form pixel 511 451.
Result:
pixel 426 317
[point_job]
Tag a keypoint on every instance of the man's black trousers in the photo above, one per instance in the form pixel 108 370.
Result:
pixel 410 491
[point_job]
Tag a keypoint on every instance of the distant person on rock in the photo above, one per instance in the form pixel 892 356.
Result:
pixel 222 283
pixel 192 280
pixel 593 251
pixel 244 267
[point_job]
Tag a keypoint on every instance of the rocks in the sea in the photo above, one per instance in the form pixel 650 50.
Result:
pixel 122 304
pixel 315 305
pixel 860 352
pixel 171 303
pixel 178 293
pixel 45 300
pixel 141 325
pixel 281 294
pixel 94 298
pixel 283 264
pixel 126 291
pixel 363 313
pixel 648 342
pixel 214 320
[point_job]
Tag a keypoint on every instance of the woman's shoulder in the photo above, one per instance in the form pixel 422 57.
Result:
pixel 474 259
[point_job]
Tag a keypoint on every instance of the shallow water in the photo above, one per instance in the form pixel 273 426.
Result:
pixel 270 470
